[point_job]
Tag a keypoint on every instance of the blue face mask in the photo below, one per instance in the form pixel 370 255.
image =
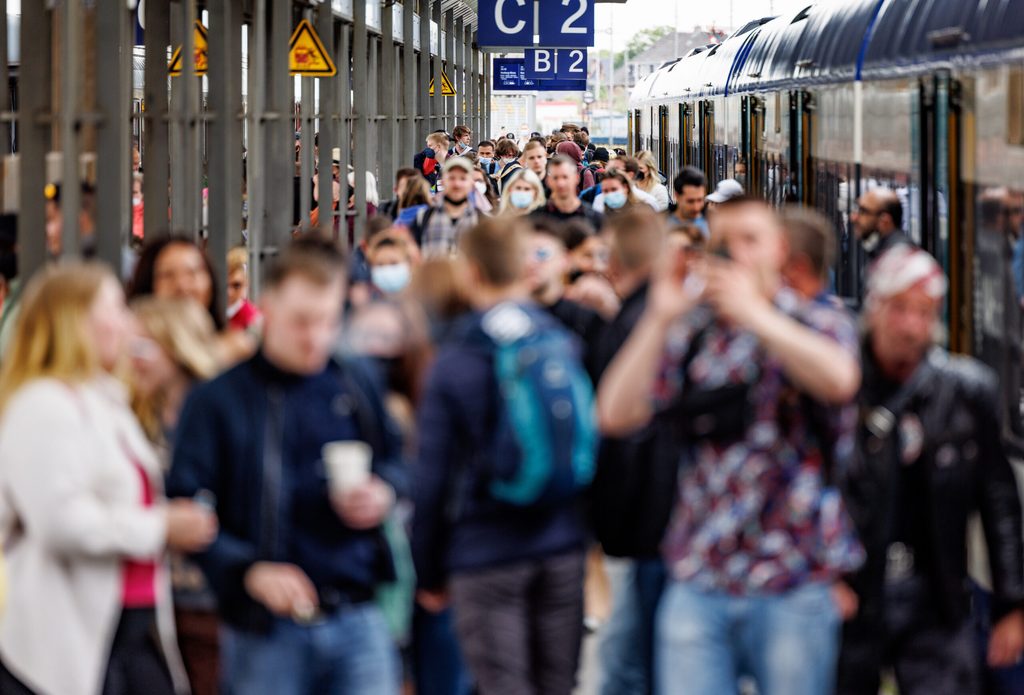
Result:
pixel 615 200
pixel 391 279
pixel 521 199
pixel 485 162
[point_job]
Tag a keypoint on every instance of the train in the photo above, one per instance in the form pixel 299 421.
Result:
pixel 925 97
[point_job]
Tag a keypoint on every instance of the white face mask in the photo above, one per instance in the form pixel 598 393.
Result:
pixel 137 200
pixel 481 187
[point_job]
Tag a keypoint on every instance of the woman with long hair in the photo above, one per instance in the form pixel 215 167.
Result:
pixel 82 513
pixel 649 180
pixel 175 348
pixel 616 193
pixel 523 194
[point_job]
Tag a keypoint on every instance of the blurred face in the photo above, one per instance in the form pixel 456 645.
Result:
pixel 614 165
pixel 754 240
pixel 546 263
pixel 136 159
pixel 521 185
pixel 402 186
pixel 457 184
pixel 136 192
pixel 536 160
pixel 238 287
pixel 902 328
pixel 691 201
pixel 301 320
pixel 591 256
pixel 486 152
pixel 612 186
pixel 180 273
pixel 865 217
pixel 152 368
pixel 563 180
pixel 54 228
pixel 389 255
pixel 645 171
pixel 108 324
pixel 1013 213
pixel 678 241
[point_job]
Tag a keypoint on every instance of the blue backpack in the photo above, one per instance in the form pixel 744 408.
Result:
pixel 545 442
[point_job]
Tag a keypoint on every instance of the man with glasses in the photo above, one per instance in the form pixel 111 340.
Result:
pixel 878 222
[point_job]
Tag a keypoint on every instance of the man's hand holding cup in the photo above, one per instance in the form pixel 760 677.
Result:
pixel 361 499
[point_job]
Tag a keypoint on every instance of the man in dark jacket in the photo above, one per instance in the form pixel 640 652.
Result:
pixel 300 549
pixel 930 456
pixel 514 573
pixel 878 222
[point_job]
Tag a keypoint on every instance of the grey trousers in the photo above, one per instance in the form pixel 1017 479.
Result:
pixel 520 625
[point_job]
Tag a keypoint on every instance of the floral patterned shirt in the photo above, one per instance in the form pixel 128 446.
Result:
pixel 754 515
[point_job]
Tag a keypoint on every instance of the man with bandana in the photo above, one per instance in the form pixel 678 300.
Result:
pixel 930 455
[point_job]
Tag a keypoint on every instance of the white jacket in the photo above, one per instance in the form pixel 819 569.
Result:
pixel 70 512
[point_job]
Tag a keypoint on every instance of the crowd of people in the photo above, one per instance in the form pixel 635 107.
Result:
pixel 547 393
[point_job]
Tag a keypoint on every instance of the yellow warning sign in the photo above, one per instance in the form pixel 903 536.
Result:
pixel 199 46
pixel 447 89
pixel 307 55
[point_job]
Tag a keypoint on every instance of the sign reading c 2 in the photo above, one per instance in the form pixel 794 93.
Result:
pixel 505 23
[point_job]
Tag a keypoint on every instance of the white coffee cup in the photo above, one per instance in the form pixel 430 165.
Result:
pixel 348 464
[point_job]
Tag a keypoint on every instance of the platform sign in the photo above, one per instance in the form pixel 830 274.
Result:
pixel 566 23
pixel 509 75
pixel 447 88
pixel 505 23
pixel 556 64
pixel 307 55
pixel 199 51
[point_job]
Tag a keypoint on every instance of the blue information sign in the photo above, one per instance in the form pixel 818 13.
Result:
pixel 566 23
pixel 510 76
pixel 571 64
pixel 552 64
pixel 507 23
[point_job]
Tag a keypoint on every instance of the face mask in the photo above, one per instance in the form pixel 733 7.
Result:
pixel 521 199
pixel 481 187
pixel 615 200
pixel 485 162
pixel 390 279
pixel 136 201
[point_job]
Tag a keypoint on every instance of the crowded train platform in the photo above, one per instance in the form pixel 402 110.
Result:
pixel 511 347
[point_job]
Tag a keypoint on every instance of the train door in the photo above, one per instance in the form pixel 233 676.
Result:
pixel 629 131
pixel 752 149
pixel 663 138
pixel 685 128
pixel 706 119
pixel 801 122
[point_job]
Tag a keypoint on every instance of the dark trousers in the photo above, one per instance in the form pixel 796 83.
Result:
pixel 137 664
pixel 520 625
pixel 199 642
pixel 929 659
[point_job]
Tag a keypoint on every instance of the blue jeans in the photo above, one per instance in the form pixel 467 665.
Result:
pixel 348 653
pixel 787 642
pixel 627 640
pixel 438 668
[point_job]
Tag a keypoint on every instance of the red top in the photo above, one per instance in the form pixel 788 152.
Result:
pixel 244 317
pixel 139 576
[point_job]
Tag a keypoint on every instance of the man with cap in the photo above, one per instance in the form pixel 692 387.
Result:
pixel 727 189
pixel 437 228
pixel 930 456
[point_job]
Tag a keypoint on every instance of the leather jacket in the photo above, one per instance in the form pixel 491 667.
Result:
pixel 956 400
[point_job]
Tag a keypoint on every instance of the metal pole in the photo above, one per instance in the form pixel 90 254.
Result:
pixel 113 163
pixel 409 84
pixel 344 137
pixel 179 37
pixel 70 82
pixel 225 85
pixel 458 78
pixel 33 136
pixel 255 177
pixel 278 132
pixel 423 76
pixel 486 95
pixel 449 61
pixel 387 98
pixel 437 101
pixel 360 59
pixel 470 86
pixel 328 111
pixel 154 184
pixel 308 122
pixel 191 155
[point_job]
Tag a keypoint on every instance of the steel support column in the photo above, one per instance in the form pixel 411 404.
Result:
pixel 156 162
pixel 437 106
pixel 328 124
pixel 450 111
pixel 113 101
pixel 472 85
pixel 344 135
pixel 386 102
pixel 279 140
pixel 360 131
pixel 410 139
pixel 485 95
pixel 34 112
pixel 459 78
pixel 426 123
pixel 225 145
pixel 71 79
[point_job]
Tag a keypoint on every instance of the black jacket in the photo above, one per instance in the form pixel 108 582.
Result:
pixel 956 401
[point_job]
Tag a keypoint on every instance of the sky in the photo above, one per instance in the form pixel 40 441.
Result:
pixel 635 15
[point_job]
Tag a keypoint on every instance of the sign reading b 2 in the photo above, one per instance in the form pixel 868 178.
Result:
pixel 566 23
pixel 507 23
pixel 561 64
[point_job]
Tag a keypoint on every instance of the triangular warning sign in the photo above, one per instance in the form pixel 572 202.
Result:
pixel 307 55
pixel 199 49
pixel 447 89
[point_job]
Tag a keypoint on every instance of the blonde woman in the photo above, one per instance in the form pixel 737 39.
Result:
pixel 81 507
pixel 174 348
pixel 523 194
pixel 649 179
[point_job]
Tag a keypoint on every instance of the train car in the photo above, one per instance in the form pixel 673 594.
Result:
pixel 925 97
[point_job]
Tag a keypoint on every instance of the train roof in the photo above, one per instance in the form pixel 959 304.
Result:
pixel 842 41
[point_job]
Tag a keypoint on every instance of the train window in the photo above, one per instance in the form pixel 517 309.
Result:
pixel 778 112
pixel 1015 107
